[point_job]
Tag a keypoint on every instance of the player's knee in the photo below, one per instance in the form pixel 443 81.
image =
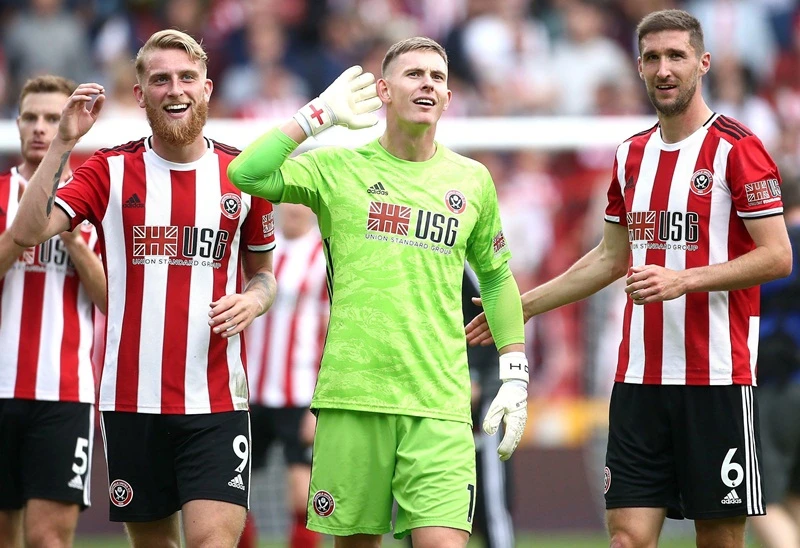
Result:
pixel 49 535
pixel 629 539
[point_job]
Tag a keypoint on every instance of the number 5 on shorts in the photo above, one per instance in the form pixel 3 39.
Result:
pixel 82 457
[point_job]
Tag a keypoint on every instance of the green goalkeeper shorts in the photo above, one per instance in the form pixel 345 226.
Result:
pixel 363 461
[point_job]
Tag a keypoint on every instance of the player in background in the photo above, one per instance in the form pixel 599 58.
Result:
pixel 493 519
pixel 283 353
pixel 694 221
pixel 176 236
pixel 398 216
pixel 779 393
pixel 47 389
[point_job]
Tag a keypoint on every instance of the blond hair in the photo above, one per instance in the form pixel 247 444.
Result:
pixel 411 44
pixel 170 39
pixel 47 83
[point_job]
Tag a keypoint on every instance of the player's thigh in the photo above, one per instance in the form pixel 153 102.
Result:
pixel 780 439
pixel 434 481
pixel 10 528
pixel 212 457
pixel 57 452
pixel 263 433
pixel 635 526
pixel 141 468
pixel 14 418
pixel 717 443
pixel 351 474
pixel 640 467
pixel 295 451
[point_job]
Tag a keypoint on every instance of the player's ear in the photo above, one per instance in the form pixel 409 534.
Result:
pixel 138 93
pixel 208 88
pixel 639 67
pixel 383 90
pixel 447 101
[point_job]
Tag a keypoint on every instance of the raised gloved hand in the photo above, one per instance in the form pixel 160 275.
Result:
pixel 510 405
pixel 350 101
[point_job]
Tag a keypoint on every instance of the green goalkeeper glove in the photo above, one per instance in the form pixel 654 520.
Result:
pixel 510 404
pixel 350 101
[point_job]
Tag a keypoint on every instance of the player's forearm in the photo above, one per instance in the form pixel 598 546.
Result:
pixel 756 267
pixel 262 287
pixel 587 276
pixel 256 170
pixel 500 297
pixel 30 225
pixel 9 253
pixel 90 271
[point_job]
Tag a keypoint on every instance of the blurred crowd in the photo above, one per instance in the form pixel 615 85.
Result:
pixel 507 58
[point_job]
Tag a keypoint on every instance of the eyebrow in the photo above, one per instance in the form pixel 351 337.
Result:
pixel 160 73
pixel 421 69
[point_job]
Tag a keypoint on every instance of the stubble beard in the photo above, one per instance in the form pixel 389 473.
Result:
pixel 676 107
pixel 177 132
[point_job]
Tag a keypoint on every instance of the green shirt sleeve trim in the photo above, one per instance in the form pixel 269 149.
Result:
pixel 503 306
pixel 256 170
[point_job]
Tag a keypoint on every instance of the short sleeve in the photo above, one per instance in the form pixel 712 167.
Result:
pixel 85 195
pixel 258 229
pixel 754 180
pixel 615 210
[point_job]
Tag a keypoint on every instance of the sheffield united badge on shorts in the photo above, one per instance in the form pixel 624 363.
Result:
pixel 121 493
pixel 323 503
pixel 606 479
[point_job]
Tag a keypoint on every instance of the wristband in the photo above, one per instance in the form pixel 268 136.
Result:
pixel 314 117
pixel 514 366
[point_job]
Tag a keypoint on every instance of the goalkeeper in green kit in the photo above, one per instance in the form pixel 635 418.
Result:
pixel 399 217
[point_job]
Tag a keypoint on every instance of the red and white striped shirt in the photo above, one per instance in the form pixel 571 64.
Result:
pixel 171 236
pixel 284 346
pixel 683 204
pixel 46 330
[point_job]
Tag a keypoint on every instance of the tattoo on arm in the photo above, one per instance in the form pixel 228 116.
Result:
pixel 266 285
pixel 56 180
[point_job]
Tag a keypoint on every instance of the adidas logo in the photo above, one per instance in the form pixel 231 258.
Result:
pixel 133 201
pixel 237 482
pixel 76 483
pixel 731 498
pixel 378 188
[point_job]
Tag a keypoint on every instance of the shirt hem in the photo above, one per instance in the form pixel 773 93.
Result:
pixel 675 381
pixel 170 410
pixel 12 396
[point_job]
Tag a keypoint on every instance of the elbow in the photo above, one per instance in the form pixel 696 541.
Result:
pixel 784 267
pixel 21 239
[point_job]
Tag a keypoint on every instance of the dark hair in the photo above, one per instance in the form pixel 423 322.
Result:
pixel 411 44
pixel 47 83
pixel 672 20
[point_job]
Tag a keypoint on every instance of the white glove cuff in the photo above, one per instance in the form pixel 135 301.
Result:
pixel 514 366
pixel 314 117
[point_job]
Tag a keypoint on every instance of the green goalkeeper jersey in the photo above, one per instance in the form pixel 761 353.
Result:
pixel 396 235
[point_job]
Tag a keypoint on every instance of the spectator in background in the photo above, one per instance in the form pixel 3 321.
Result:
pixel 47 387
pixel 741 29
pixel 283 353
pixel 779 393
pixel 733 91
pixel 46 39
pixel 263 87
pixel 598 57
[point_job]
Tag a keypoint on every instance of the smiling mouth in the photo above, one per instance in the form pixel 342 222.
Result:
pixel 424 102
pixel 176 109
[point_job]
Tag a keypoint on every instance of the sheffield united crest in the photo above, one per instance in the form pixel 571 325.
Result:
pixel 702 179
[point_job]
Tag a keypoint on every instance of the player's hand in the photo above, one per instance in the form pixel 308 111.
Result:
pixel 231 314
pixel 477 331
pixel 350 101
pixel 510 405
pixel 652 283
pixel 81 112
